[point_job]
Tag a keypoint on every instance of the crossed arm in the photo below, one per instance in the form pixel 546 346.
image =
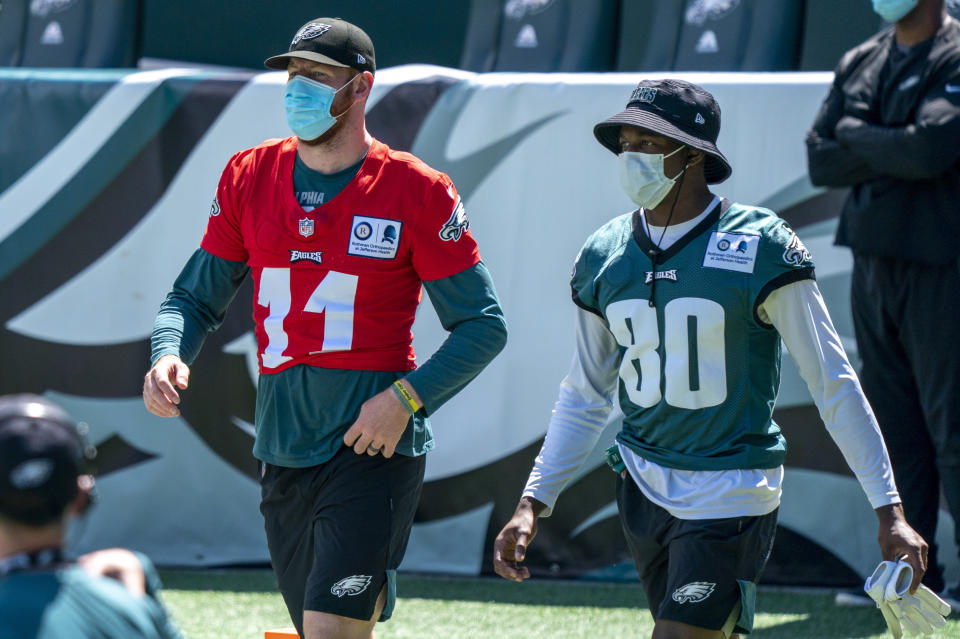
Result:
pixel 846 147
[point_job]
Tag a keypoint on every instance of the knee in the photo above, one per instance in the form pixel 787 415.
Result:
pixel 321 625
pixel 668 629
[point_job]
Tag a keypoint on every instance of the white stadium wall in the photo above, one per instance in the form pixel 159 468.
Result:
pixel 106 179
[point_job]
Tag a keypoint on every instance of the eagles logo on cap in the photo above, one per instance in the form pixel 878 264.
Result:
pixel 342 45
pixel 311 30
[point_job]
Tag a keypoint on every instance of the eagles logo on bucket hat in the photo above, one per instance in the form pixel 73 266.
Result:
pixel 329 41
pixel 679 110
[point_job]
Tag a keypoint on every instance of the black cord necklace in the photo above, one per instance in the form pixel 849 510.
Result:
pixel 654 253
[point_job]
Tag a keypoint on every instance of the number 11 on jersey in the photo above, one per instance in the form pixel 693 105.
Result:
pixel 334 297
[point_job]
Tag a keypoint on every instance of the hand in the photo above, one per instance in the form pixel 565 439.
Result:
pixel 379 426
pixel 847 124
pixel 897 539
pixel 119 564
pixel 858 106
pixel 159 395
pixel 510 547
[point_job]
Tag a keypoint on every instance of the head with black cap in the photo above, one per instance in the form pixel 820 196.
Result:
pixel 45 466
pixel 330 65
pixel 666 140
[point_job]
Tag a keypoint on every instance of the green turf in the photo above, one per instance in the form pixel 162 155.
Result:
pixel 242 604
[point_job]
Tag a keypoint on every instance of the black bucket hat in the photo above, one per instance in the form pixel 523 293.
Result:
pixel 330 41
pixel 679 110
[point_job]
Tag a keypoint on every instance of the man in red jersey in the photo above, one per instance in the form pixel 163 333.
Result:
pixel 339 233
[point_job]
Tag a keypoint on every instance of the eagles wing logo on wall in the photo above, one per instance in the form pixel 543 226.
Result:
pixel 352 585
pixel 693 592
pixel 457 225
pixel 699 11
pixel 517 9
pixel 43 8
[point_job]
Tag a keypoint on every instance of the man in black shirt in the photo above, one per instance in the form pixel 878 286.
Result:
pixel 890 130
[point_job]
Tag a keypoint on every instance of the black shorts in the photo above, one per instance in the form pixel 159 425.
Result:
pixel 695 571
pixel 337 532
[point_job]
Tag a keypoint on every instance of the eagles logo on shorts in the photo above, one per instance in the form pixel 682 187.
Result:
pixel 353 585
pixel 693 592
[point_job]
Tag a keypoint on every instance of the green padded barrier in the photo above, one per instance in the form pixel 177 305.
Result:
pixel 483 34
pixel 557 35
pixel 647 34
pixel 55 33
pixel 831 28
pixel 80 33
pixel 425 31
pixel 13 17
pixel 740 35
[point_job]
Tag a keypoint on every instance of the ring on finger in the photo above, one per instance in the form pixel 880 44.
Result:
pixel 373 451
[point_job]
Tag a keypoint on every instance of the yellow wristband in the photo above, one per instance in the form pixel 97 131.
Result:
pixel 405 397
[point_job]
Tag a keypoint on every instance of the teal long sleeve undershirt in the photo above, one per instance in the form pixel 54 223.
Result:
pixel 292 433
pixel 196 305
pixel 468 308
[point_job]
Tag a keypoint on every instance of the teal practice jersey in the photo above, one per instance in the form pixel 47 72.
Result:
pixel 67 603
pixel 699 369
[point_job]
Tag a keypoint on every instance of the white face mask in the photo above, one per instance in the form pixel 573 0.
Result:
pixel 642 177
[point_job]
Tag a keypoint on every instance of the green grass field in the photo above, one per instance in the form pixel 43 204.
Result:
pixel 241 604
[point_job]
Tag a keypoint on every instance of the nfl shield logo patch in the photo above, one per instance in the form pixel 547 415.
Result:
pixel 306 227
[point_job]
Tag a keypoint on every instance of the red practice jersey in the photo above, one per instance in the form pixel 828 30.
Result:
pixel 338 286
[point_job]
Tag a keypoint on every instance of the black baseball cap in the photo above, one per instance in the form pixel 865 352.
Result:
pixel 42 453
pixel 679 110
pixel 330 41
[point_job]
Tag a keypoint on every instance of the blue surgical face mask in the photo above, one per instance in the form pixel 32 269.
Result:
pixel 307 104
pixel 893 10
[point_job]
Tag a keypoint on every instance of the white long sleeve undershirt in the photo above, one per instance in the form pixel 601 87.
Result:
pixel 798 313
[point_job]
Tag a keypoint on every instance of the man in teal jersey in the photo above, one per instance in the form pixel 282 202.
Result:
pixel 43 484
pixel 339 234
pixel 682 305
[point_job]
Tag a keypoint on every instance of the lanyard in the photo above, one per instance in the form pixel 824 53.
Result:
pixel 31 561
